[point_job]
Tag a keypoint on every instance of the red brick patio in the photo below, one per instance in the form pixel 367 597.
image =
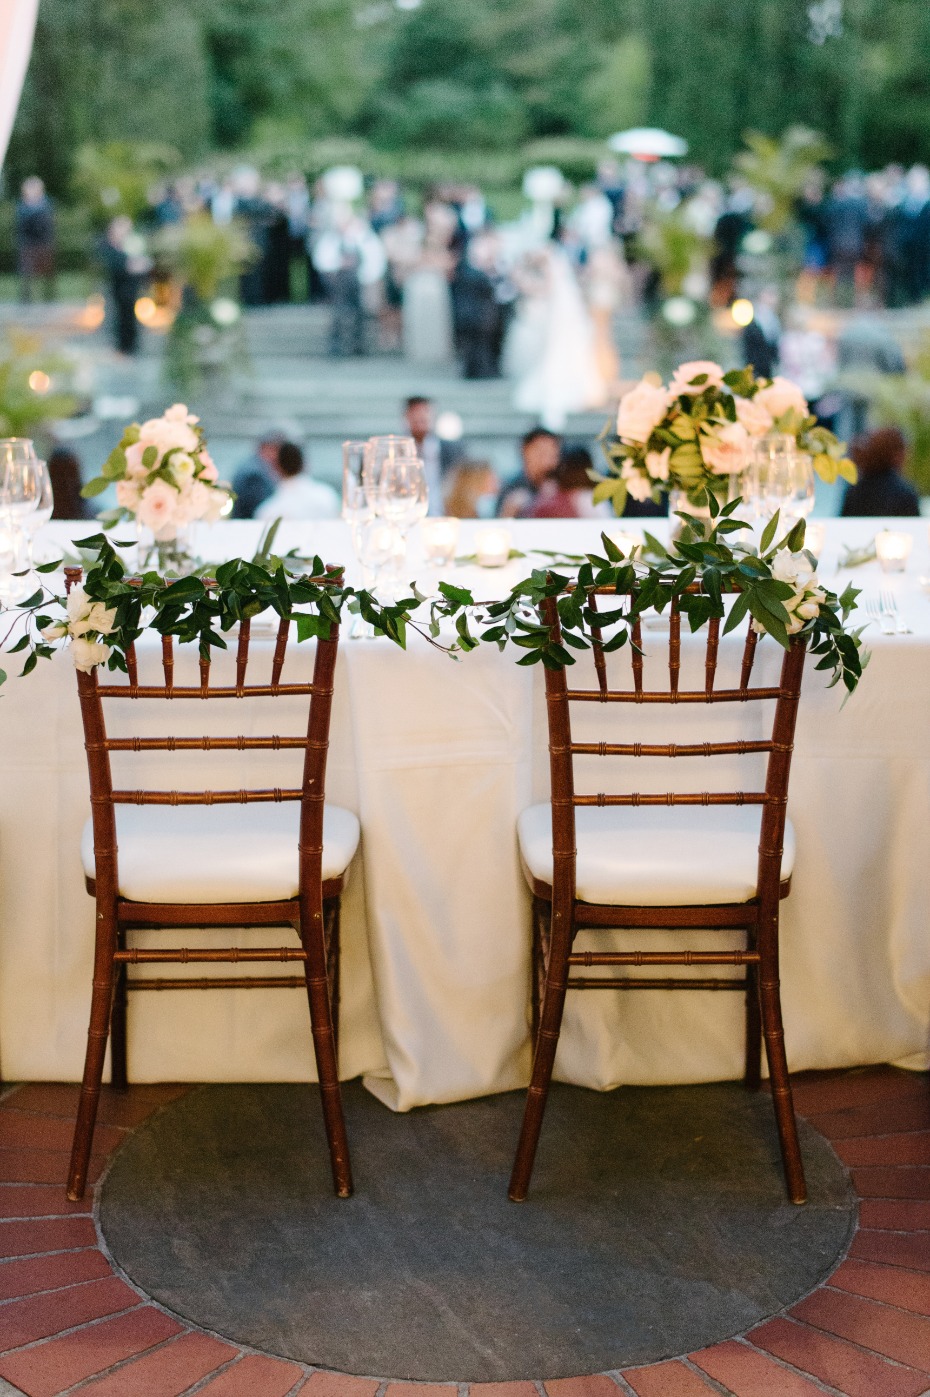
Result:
pixel 68 1324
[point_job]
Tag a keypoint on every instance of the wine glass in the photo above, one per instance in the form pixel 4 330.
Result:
pixel 37 518
pixel 20 492
pixel 379 452
pixel 781 478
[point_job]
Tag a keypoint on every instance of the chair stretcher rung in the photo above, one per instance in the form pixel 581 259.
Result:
pixel 204 744
pixel 677 798
pixel 664 958
pixel 185 955
pixel 222 982
pixel 582 982
pixel 669 749
pixel 176 691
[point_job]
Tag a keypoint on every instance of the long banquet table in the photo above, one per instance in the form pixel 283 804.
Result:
pixel 438 758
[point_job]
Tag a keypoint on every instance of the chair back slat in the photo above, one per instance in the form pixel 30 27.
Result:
pixel 600 659
pixel 674 646
pixel 280 648
pixel 749 655
pixel 204 677
pixel 132 666
pixel 636 638
pixel 167 661
pixel 242 651
pixel 710 660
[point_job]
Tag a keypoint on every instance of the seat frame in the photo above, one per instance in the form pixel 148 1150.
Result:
pixel 314 913
pixel 558 914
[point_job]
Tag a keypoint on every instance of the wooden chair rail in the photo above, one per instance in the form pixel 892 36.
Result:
pixel 197 691
pixel 582 982
pixel 666 696
pixel 679 798
pixel 664 958
pixel 194 955
pixel 670 749
pixel 242 797
pixel 204 744
pixel 222 982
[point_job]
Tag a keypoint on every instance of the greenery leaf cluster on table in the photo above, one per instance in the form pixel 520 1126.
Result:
pixel 776 586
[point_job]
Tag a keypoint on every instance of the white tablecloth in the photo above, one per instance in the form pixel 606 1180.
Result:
pixel 437 759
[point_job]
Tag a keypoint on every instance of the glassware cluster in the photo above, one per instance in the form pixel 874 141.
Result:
pixel 25 507
pixel 779 477
pixel 384 494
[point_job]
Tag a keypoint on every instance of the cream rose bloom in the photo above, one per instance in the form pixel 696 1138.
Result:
pixel 165 435
pixel 135 470
pixel 657 463
pixel 127 495
pixel 208 469
pixel 684 376
pixel 782 396
pixel 727 448
pixel 641 410
pixel 178 413
pixel 753 415
pixel 158 510
pixel 87 654
pixel 639 485
pixel 183 469
pixel 794 568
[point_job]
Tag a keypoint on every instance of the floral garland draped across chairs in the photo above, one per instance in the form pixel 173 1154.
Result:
pixel 598 868
pixel 163 859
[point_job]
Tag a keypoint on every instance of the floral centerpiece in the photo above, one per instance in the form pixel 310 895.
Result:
pixel 699 431
pixel 166 480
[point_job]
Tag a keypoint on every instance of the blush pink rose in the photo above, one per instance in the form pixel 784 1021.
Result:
pixel 727 449
pixel 158 510
pixel 127 495
pixel 208 468
pixel 135 470
pixel 639 485
pixel 782 396
pixel 754 416
pixel 641 410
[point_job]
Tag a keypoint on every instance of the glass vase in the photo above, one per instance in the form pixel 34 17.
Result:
pixel 174 557
pixel 678 503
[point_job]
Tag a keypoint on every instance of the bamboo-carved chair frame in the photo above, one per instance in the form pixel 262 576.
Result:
pixel 313 914
pixel 558 914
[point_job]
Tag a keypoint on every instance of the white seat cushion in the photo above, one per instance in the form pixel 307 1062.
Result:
pixel 656 856
pixel 218 853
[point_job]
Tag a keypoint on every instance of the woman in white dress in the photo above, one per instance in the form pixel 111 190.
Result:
pixel 551 350
pixel 427 301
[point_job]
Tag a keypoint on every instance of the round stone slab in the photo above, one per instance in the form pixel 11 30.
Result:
pixel 656 1224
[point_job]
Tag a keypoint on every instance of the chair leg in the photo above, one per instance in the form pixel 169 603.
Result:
pixel 332 917
pixel 324 1044
pixel 542 916
pixel 101 1008
pixel 752 1078
pixel 547 1041
pixel 119 1077
pixel 780 1082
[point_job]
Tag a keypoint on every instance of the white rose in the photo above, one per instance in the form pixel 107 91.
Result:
pixel 165 435
pixel 158 509
pixel 782 396
pixel 101 618
pixel 794 568
pixel 754 416
pixel 183 469
pixel 685 374
pixel 638 484
pixel 657 463
pixel 727 449
pixel 808 609
pixel 56 631
pixel 88 654
pixel 641 410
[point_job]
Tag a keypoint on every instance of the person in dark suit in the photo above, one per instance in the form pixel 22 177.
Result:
pixel 35 240
pixel 438 456
pixel 880 456
pixel 256 479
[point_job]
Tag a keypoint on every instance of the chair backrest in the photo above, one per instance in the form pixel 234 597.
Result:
pixel 314 741
pixel 776 748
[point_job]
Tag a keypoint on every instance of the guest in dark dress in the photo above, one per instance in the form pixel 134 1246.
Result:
pixel 64 471
pixel 35 240
pixel 880 456
pixel 126 267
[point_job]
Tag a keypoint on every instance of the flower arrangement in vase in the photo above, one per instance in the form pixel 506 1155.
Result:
pixel 166 480
pixel 698 434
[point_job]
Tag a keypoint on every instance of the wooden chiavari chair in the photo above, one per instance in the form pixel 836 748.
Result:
pixel 583 878
pixel 286 872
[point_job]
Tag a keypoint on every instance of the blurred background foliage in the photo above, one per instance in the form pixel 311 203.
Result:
pixel 478 83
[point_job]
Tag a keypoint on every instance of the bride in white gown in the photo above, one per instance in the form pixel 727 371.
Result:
pixel 550 348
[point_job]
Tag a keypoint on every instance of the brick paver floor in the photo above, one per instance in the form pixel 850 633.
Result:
pixel 69 1325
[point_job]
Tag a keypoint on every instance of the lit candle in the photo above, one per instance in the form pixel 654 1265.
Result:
pixel 440 537
pixel 893 548
pixel 814 536
pixel 492 546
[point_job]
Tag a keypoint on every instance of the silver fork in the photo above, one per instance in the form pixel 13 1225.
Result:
pixel 874 609
pixel 890 609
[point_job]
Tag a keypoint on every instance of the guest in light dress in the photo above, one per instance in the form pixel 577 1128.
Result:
pixel 427 300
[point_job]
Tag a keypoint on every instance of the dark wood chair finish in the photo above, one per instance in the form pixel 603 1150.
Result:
pixel 558 914
pixel 313 914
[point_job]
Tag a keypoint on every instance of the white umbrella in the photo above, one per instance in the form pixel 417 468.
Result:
pixel 648 143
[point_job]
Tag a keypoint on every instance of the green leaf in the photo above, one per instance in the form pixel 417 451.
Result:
pixel 49 567
pixel 769 532
pixel 95 487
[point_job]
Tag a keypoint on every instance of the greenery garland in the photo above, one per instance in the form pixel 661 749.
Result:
pixel 776 586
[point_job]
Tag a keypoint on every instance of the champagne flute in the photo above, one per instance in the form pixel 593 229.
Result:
pixel 38 517
pixel 19 497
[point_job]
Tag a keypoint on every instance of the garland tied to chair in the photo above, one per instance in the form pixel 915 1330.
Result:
pixel 776 585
